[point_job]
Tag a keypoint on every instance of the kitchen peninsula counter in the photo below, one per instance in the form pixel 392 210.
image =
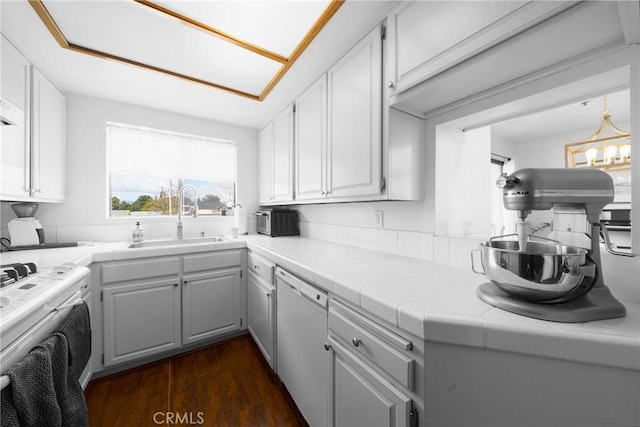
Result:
pixel 438 303
pixel 433 302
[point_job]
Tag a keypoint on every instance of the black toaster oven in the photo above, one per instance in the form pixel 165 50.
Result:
pixel 277 222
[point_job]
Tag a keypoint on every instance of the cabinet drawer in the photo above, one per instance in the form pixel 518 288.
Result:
pixel 139 269
pixel 211 260
pixel 372 341
pixel 261 267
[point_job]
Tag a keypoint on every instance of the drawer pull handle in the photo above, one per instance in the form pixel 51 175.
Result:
pixel 257 267
pixel 327 346
pixel 356 342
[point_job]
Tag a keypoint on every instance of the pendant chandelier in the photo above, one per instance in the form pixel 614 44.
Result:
pixel 608 148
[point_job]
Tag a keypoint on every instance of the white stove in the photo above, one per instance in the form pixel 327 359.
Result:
pixel 11 273
pixel 29 306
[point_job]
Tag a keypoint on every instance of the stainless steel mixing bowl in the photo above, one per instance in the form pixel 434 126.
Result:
pixel 25 210
pixel 544 272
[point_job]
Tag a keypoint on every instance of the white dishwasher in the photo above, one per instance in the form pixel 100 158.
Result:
pixel 302 332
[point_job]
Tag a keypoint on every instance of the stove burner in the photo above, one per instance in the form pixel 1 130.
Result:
pixel 11 273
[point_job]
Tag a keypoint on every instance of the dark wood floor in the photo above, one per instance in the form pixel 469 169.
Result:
pixel 228 384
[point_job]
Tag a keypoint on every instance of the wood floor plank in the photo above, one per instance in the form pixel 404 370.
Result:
pixel 153 395
pixel 227 384
pixel 122 396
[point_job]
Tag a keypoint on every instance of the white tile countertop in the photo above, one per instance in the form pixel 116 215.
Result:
pixel 438 303
pixel 431 301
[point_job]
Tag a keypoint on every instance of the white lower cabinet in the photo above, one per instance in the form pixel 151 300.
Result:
pixel 361 397
pixel 375 372
pixel 154 305
pixel 261 305
pixel 210 304
pixel 140 319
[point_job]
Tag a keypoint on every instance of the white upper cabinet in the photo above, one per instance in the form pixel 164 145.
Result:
pixel 311 142
pixel 427 38
pixel 349 145
pixel 15 88
pixel 283 156
pixel 275 160
pixel 265 165
pixel 33 151
pixel 48 140
pixel 354 137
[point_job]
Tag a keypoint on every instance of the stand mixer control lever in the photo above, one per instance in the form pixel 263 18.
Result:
pixel 607 242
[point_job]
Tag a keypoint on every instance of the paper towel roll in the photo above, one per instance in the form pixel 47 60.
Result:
pixel 241 220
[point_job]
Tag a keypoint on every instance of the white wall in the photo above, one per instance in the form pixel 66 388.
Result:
pixel 83 215
pixel 463 172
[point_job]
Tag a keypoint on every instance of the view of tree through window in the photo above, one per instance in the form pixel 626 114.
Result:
pixel 147 168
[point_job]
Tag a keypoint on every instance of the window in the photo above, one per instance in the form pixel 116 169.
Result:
pixel 147 167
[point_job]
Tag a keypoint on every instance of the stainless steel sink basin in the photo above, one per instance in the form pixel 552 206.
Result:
pixel 176 242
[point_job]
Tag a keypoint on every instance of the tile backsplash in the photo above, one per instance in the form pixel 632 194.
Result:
pixel 450 250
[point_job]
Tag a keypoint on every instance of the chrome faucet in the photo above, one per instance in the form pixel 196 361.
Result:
pixel 194 207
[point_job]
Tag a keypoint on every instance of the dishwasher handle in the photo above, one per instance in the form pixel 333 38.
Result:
pixel 305 289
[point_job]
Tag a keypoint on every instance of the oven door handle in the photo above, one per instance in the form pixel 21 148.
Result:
pixel 71 304
pixel 76 300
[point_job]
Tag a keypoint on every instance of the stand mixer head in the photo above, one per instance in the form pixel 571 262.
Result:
pixel 552 279
pixel 583 192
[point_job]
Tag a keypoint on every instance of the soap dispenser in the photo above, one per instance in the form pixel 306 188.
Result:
pixel 138 233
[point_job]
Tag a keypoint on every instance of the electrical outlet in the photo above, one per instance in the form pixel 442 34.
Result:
pixel 379 219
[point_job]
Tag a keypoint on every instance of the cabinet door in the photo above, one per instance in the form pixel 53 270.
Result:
pixel 210 304
pixel 140 319
pixel 14 150
pixel 427 38
pixel 362 398
pixel 48 139
pixel 283 156
pixel 265 165
pixel 310 141
pixel 261 298
pixel 355 115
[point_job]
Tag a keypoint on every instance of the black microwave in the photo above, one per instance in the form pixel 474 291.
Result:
pixel 277 222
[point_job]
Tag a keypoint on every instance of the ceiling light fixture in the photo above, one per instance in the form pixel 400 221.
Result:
pixel 284 62
pixel 601 149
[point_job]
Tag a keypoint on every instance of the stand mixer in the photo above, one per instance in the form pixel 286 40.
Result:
pixel 560 278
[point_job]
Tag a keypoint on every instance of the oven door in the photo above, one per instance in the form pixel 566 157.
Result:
pixel 38 326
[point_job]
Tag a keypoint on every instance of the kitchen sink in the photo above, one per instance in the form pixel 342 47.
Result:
pixel 176 242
